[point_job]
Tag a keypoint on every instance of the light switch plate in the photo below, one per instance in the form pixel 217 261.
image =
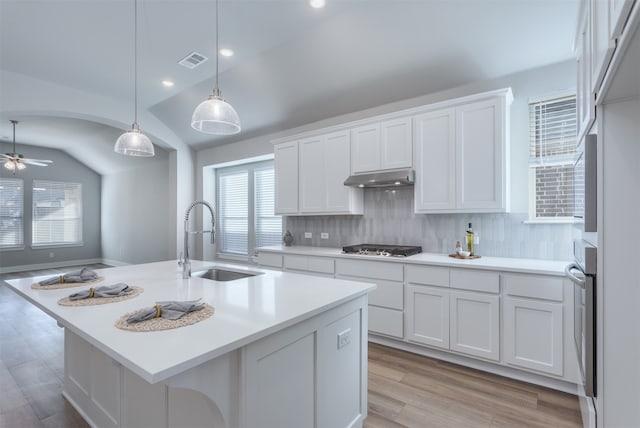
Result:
pixel 344 338
pixel 307 235
pixel 324 235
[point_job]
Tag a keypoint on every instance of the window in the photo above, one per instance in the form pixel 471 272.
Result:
pixel 11 191
pixel 57 213
pixel 246 203
pixel 552 151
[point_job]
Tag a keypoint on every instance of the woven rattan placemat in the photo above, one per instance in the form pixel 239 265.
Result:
pixel 101 300
pixel 157 324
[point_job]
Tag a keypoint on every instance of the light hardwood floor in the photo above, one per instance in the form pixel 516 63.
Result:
pixel 405 390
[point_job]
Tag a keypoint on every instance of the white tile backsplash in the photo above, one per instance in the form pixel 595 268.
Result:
pixel 389 218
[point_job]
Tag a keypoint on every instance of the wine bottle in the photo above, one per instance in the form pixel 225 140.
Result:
pixel 470 240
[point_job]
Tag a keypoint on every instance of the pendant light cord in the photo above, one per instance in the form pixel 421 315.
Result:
pixel 135 63
pixel 217 90
pixel 14 134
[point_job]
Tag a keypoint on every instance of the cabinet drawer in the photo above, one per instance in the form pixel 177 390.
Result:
pixel 476 280
pixel 536 287
pixel 427 275
pixel 388 294
pixel 370 269
pixel 385 321
pixel 309 264
pixel 270 259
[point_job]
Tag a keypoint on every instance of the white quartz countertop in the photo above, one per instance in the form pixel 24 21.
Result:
pixel 245 311
pixel 534 266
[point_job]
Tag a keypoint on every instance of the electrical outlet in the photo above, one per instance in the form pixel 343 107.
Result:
pixel 307 235
pixel 344 338
pixel 324 235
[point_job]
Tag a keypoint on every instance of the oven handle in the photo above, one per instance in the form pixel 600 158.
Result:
pixel 568 271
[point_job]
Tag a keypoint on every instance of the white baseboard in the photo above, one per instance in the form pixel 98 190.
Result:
pixel 111 262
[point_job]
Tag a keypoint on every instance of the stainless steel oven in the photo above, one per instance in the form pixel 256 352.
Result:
pixel 582 273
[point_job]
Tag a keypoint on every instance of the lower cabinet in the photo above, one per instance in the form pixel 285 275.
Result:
pixel 386 302
pixel 475 324
pixel 427 315
pixel 534 323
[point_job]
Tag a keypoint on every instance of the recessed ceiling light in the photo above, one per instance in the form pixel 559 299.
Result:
pixel 226 52
pixel 317 4
pixel 167 83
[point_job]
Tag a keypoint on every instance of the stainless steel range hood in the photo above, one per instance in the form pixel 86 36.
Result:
pixel 402 177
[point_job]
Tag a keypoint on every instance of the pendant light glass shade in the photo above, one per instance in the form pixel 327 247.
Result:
pixel 215 115
pixel 134 143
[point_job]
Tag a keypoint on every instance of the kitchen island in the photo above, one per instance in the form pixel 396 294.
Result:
pixel 281 349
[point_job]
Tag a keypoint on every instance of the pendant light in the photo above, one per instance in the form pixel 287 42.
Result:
pixel 215 115
pixel 134 142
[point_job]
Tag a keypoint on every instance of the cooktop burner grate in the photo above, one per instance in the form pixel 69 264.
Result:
pixel 382 250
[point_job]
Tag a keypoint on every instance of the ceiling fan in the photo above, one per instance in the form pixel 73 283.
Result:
pixel 15 161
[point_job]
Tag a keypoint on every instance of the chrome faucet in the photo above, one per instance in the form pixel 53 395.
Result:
pixel 186 262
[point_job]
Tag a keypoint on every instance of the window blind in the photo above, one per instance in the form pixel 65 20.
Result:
pixel 267 225
pixel 57 213
pixel 11 196
pixel 552 151
pixel 234 212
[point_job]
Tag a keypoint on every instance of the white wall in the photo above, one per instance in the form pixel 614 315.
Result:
pixel 137 211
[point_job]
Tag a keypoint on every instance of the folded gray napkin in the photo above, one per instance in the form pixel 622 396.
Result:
pixel 103 291
pixel 168 310
pixel 82 275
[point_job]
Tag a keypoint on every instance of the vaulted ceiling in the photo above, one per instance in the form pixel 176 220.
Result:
pixel 66 66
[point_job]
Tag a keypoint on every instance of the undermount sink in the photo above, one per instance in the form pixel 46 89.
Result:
pixel 223 275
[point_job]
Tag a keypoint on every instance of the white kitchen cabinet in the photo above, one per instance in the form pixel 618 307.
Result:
pixel 382 146
pixel 386 302
pixel 324 163
pixel 321 266
pixel 602 44
pixel 462 156
pixel 475 324
pixel 427 315
pixel 286 177
pixel 533 323
pixel 585 104
pixel 618 11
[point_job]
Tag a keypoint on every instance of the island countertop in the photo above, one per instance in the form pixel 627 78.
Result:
pixel 245 310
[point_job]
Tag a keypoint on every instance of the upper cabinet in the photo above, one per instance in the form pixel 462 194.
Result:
pixel 462 156
pixel 601 24
pixel 309 176
pixel 286 177
pixel 381 146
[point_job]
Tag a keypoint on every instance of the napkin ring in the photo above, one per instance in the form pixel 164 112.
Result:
pixel 91 292
pixel 61 279
pixel 158 311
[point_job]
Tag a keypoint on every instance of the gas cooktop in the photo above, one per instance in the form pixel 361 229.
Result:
pixel 382 250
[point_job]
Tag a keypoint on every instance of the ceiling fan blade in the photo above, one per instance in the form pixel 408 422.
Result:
pixel 37 160
pixel 6 155
pixel 33 162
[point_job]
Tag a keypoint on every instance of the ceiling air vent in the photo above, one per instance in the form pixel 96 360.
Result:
pixel 192 60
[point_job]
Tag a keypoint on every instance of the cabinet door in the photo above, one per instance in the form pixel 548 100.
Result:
pixel 475 324
pixel 396 149
pixel 312 175
pixel 533 333
pixel 480 147
pixel 286 177
pixel 337 165
pixel 427 315
pixel 365 148
pixel 601 45
pixel 618 13
pixel 584 103
pixel 435 163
